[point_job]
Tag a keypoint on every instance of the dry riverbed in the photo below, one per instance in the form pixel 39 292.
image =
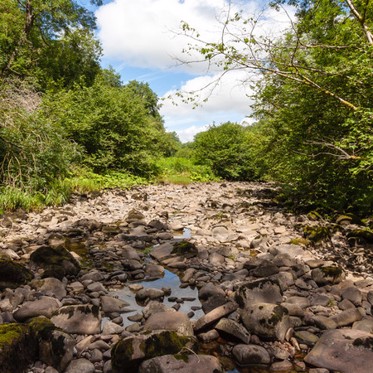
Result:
pixel 201 278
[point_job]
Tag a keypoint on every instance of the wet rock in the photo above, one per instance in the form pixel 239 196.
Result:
pixel 153 271
pixel 81 366
pixel 232 330
pixel 306 337
pixel 45 306
pixel 110 304
pixel 343 350
pixel 81 319
pixel 13 274
pixel 268 321
pixel 215 315
pixel 246 355
pixel 57 259
pixel 260 291
pixel 173 321
pixel 130 352
pixel 182 364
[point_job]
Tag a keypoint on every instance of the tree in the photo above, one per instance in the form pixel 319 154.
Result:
pixel 43 38
pixel 224 148
pixel 314 101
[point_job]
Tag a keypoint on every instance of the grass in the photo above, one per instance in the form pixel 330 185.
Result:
pixel 176 170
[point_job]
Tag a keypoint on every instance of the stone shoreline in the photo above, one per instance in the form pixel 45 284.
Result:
pixel 279 292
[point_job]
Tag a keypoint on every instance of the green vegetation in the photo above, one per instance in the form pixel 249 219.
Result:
pixel 313 106
pixel 67 125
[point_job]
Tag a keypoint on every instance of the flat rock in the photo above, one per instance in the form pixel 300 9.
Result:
pixel 45 306
pixel 343 350
pixel 347 317
pixel 53 287
pixel 81 319
pixel 182 364
pixel 111 304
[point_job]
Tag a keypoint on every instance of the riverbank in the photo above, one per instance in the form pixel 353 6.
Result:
pixel 273 287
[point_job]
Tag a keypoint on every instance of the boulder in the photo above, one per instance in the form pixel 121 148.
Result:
pixel 12 275
pixel 182 364
pixel 268 321
pixel 260 291
pixel 130 352
pixel 343 350
pixel 246 355
pixel 81 366
pixel 81 319
pixel 55 261
pixel 13 339
pixel 173 321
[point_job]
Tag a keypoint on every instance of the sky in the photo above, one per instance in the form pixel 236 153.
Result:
pixel 142 41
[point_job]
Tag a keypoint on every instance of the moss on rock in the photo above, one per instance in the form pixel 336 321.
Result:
pixel 17 348
pixel 185 248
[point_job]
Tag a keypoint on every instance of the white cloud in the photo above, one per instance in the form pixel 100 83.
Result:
pixel 143 33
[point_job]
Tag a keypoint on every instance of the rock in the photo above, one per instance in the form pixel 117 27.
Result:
pixel 173 321
pixel 93 275
pixel 344 350
pixel 232 330
pixel 306 337
pixel 162 252
pixel 268 321
pixel 184 248
pixel 215 315
pixel 81 366
pixel 323 322
pixel 130 352
pixel 45 306
pixel 327 275
pixel 220 233
pixel 281 366
pixel 110 304
pixel 246 355
pixel 13 274
pixel 57 260
pixel 293 251
pixel 365 325
pixel 56 348
pixel 260 291
pixel 96 287
pixel 52 287
pixel 81 319
pixel 13 339
pixel 111 328
pixel 149 293
pixel 353 294
pixel 154 271
pixel 211 297
pixel 347 317
pixel 182 364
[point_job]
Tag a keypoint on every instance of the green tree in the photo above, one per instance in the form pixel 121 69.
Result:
pixel 225 149
pixel 111 124
pixel 48 39
pixel 314 102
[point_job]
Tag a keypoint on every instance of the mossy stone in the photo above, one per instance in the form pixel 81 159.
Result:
pixel 185 248
pixel 13 274
pixel 17 348
pixel 128 353
pixel 316 233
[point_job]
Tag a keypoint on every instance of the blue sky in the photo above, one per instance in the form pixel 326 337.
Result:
pixel 140 41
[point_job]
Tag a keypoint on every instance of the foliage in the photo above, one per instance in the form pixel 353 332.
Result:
pixel 179 170
pixel 313 103
pixel 33 152
pixel 226 150
pixel 112 125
